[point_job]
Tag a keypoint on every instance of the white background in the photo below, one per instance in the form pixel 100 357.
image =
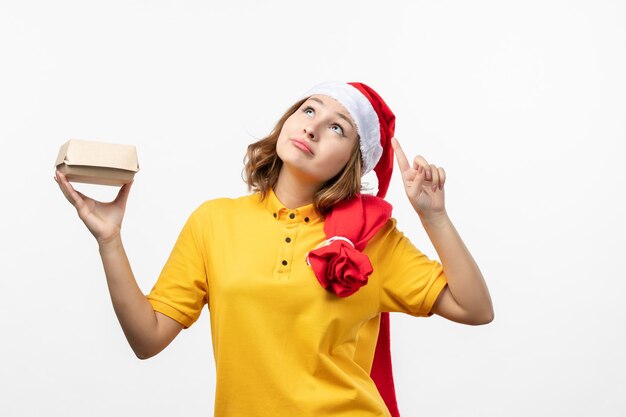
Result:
pixel 523 104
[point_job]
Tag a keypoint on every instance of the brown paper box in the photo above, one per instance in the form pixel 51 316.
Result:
pixel 97 162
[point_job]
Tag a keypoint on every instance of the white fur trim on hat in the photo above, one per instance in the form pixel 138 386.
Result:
pixel 363 114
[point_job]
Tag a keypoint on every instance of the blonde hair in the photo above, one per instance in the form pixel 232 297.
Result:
pixel 262 166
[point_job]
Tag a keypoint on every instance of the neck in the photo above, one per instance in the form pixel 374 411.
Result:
pixel 294 191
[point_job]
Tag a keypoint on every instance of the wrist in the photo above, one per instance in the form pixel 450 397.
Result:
pixel 435 219
pixel 110 244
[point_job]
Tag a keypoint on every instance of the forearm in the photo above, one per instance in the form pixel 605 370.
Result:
pixel 465 281
pixel 134 312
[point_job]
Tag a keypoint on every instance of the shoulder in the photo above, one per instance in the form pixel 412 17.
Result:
pixel 385 238
pixel 390 240
pixel 386 232
pixel 225 206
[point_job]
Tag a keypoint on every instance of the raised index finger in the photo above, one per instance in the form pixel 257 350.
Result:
pixel 403 163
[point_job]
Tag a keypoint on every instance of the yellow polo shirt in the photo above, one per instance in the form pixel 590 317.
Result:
pixel 283 345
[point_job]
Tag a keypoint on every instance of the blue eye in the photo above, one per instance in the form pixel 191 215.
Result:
pixel 337 129
pixel 308 111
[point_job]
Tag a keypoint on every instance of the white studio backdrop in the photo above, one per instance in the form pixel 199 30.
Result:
pixel 522 103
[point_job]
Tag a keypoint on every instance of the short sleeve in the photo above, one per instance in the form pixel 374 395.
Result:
pixel 181 289
pixel 409 281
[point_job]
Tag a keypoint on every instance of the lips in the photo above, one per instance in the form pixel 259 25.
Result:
pixel 302 145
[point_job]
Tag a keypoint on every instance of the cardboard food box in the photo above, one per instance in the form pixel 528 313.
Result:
pixel 97 162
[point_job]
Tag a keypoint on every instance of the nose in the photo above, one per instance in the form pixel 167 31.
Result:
pixel 310 132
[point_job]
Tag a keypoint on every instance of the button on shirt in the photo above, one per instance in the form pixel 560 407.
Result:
pixel 283 345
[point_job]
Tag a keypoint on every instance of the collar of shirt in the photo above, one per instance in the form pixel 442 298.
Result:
pixel 306 214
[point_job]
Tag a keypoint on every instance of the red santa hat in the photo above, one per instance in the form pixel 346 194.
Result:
pixel 351 224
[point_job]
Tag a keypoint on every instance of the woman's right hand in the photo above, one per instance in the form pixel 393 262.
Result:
pixel 104 220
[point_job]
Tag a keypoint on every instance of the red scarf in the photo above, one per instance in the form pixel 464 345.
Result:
pixel 342 268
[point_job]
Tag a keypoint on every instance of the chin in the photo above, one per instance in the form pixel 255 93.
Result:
pixel 302 170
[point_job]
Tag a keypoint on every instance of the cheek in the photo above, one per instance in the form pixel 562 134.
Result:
pixel 290 123
pixel 345 151
pixel 282 138
pixel 338 157
pixel 280 147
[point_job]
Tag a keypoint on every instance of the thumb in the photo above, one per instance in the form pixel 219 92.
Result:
pixel 415 185
pixel 122 195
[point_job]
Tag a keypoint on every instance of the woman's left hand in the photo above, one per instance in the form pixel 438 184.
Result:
pixel 423 184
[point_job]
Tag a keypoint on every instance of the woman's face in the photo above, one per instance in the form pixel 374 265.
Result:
pixel 317 140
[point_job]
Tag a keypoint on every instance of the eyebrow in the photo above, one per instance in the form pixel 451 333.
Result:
pixel 343 116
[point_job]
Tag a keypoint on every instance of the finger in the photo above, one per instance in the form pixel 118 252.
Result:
pixel 419 160
pixel 57 178
pixel 414 188
pixel 409 176
pixel 59 184
pixel 83 196
pixel 435 174
pixel 442 178
pixel 122 195
pixel 403 163
pixel 76 200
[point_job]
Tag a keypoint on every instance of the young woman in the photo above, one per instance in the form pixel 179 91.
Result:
pixel 299 276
